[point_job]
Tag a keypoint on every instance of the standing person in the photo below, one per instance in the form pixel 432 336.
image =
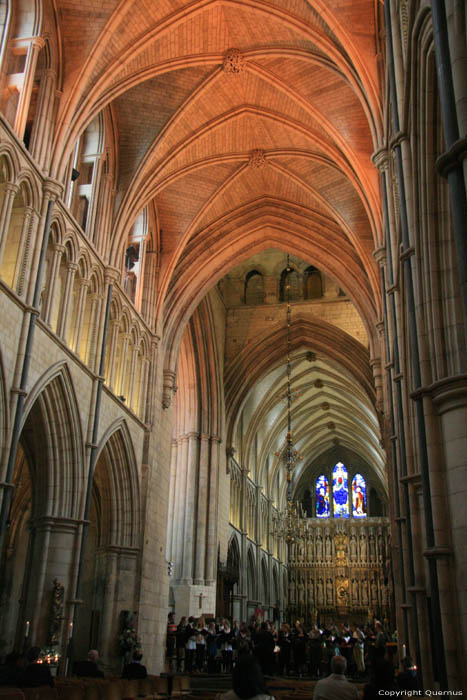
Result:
pixel 299 649
pixel 315 651
pixel 226 637
pixel 180 641
pixel 336 686
pixel 201 634
pixel 359 651
pixel 170 640
pixel 190 644
pixel 264 649
pixel 211 648
pixel 285 646
pixel 243 641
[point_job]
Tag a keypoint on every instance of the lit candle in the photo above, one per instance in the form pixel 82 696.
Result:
pixel 404 652
pixel 26 631
pixel 70 631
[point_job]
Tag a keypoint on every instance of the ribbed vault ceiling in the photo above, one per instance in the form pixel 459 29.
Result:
pixel 300 88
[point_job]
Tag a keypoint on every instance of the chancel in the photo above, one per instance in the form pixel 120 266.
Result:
pixel 233 365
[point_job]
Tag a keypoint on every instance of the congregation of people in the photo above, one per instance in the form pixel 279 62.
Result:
pixel 199 645
pixel 32 672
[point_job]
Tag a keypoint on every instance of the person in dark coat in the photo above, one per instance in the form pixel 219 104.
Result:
pixel 88 668
pixel 35 674
pixel 285 645
pixel 264 649
pixel 135 670
pixel 10 670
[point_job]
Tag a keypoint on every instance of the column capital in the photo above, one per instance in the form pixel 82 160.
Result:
pixel 112 274
pixel 53 189
pixel 452 158
pixel 379 255
pixel 380 158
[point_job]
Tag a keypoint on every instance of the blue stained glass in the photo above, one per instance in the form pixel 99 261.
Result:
pixel 359 496
pixel 322 497
pixel 340 491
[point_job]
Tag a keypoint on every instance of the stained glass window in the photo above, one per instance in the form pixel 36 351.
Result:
pixel 358 496
pixel 340 491
pixel 322 497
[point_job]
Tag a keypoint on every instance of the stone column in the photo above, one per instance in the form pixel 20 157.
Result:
pixel 114 328
pixel 213 506
pixel 190 524
pixel 51 300
pixel 23 250
pixel 75 340
pixel 120 379
pixel 202 509
pixel 35 45
pixel 43 118
pixel 67 304
pixel 9 193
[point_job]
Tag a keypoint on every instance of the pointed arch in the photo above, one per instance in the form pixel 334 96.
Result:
pixel 116 488
pixel 52 433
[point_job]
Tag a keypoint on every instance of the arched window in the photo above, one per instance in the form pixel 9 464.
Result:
pixel 289 278
pixel 322 497
pixel 254 288
pixel 359 509
pixel 313 283
pixel 340 491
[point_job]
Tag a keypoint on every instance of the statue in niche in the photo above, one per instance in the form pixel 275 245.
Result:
pixel 363 548
pixel 309 552
pixel 380 547
pixel 292 592
pixel 301 591
pixel 340 546
pixel 319 548
pixel 374 591
pixel 300 551
pixel 341 587
pixel 56 613
pixel 354 590
pixel 328 548
pixel 292 551
pixel 320 592
pixel 384 595
pixel 372 547
pixel 353 548
pixel 310 590
pixel 364 592
pixel 329 591
pixel 307 504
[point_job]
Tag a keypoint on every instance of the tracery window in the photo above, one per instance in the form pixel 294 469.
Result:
pixel 359 509
pixel 322 497
pixel 340 491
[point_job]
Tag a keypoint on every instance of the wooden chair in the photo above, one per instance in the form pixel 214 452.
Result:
pixel 111 690
pixel 40 693
pixel 160 686
pixel 130 689
pixel 11 694
pixel 71 691
pixel 181 684
pixel 145 688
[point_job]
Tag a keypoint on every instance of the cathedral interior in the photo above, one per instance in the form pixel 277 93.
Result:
pixel 227 226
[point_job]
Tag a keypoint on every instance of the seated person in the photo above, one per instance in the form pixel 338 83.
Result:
pixel 135 670
pixel 10 670
pixel 247 681
pixel 88 668
pixel 35 674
